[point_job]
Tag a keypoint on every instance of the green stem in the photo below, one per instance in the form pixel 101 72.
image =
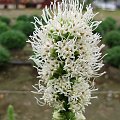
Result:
pixel 10 113
pixel 66 114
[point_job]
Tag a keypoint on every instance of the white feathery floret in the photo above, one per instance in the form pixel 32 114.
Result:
pixel 67 55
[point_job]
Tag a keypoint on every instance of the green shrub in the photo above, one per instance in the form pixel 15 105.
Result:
pixel 107 25
pixel 112 38
pixel 3 27
pixel 13 39
pixel 26 27
pixel 10 113
pixel 4 56
pixel 27 18
pixel 31 19
pixel 113 56
pixel 100 29
pixel 87 1
pixel 23 18
pixel 5 20
pixel 111 22
pixel 119 28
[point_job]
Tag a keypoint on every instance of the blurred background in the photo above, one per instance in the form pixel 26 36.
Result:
pixel 17 74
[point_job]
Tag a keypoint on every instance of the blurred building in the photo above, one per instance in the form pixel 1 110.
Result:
pixel 107 4
pixel 27 3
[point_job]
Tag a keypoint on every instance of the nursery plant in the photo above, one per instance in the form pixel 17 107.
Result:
pixel 25 27
pixel 67 57
pixel 5 19
pixel 4 56
pixel 13 39
pixel 112 38
pixel 113 56
pixel 23 18
pixel 10 113
pixel 29 19
pixel 106 26
pixel 3 27
pixel 111 23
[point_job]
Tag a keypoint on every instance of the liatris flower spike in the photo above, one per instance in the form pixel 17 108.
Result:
pixel 68 57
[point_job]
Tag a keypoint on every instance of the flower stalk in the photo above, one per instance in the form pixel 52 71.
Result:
pixel 67 57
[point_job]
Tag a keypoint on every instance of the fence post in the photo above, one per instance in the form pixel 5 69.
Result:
pixel 17 4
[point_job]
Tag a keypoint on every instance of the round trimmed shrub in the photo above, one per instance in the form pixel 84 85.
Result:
pixel 3 27
pixel 4 56
pixel 13 39
pixel 112 38
pixel 26 18
pixel 107 25
pixel 113 56
pixel 119 28
pixel 102 28
pixel 31 19
pixel 111 23
pixel 5 20
pixel 99 29
pixel 26 27
pixel 23 18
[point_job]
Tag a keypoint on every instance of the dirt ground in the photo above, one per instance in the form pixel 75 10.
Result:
pixel 17 82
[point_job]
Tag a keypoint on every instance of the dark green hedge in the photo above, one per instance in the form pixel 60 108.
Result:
pixel 26 27
pixel 4 56
pixel 3 27
pixel 112 38
pixel 5 20
pixel 13 39
pixel 113 56
pixel 107 25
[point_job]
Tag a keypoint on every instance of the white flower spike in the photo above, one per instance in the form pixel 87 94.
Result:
pixel 68 57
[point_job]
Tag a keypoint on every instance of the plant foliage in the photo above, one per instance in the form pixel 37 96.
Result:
pixel 26 27
pixel 3 27
pixel 113 56
pixel 112 38
pixel 5 20
pixel 13 39
pixel 10 113
pixel 4 56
